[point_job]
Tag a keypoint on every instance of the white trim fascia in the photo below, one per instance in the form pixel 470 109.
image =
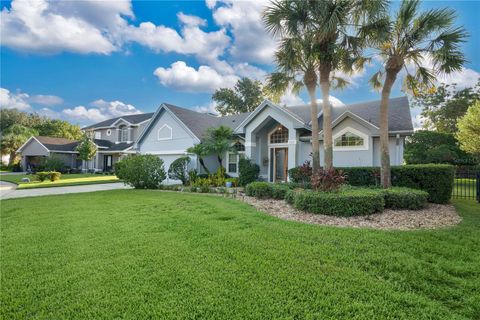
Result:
pixel 355 117
pixel 60 151
pixel 138 124
pixel 26 142
pixel 167 152
pixel 264 104
pixel 250 144
pixel 292 141
pixel 365 137
pixel 318 116
pixel 163 139
pixel 114 124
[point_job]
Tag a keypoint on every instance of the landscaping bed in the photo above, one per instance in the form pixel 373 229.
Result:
pixel 431 217
pixel 72 179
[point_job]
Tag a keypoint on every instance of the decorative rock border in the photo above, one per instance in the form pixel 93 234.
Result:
pixel 432 217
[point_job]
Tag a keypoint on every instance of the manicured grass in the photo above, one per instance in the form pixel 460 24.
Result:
pixel 140 254
pixel 66 180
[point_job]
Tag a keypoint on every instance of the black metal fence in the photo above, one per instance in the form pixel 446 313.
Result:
pixel 466 184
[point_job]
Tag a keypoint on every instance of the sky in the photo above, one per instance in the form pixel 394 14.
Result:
pixel 87 61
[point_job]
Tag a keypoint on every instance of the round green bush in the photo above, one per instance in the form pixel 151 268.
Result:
pixel 347 202
pixel 279 190
pixel 261 190
pixel 54 176
pixel 405 198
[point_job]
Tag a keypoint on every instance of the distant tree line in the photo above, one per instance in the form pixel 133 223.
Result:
pixel 16 127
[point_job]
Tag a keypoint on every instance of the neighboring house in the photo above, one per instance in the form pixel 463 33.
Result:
pixel 279 138
pixel 274 137
pixel 36 149
pixel 114 139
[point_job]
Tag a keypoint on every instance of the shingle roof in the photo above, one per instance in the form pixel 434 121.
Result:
pixel 198 122
pixel 57 144
pixel 132 118
pixel 112 146
pixel 399 118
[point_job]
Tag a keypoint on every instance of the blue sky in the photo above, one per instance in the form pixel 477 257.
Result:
pixel 89 60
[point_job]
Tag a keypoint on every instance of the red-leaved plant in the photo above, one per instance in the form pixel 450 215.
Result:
pixel 327 180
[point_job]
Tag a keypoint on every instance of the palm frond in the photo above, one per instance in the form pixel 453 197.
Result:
pixel 376 80
pixel 339 83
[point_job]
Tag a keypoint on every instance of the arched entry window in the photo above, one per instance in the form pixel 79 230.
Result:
pixel 279 135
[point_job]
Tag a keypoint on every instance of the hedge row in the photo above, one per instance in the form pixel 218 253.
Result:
pixel 348 202
pixel 436 179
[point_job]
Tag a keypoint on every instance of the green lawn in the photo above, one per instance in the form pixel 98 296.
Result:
pixel 66 180
pixel 138 254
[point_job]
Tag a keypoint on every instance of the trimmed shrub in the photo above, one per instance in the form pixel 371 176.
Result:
pixel 279 190
pixel 436 179
pixel 290 196
pixel 42 176
pixel 405 198
pixel 362 176
pixel 179 170
pixel 141 171
pixel 347 202
pixel 247 172
pixel 261 190
pixel 54 176
pixel 301 175
pixel 53 163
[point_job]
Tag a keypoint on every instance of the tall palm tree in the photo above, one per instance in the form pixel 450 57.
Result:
pixel 424 44
pixel 200 150
pixel 337 29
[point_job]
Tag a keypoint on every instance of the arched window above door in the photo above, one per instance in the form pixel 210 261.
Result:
pixel 279 135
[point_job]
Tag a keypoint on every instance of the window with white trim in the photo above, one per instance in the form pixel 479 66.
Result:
pixel 349 139
pixel 123 134
pixel 233 158
pixel 279 135
pixel 109 132
pixel 98 135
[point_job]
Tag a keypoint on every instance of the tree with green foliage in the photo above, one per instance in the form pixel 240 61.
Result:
pixel 245 96
pixel 325 37
pixel 13 138
pixel 179 170
pixel 410 38
pixel 86 148
pixel 59 129
pixel 144 171
pixel 443 106
pixel 218 141
pixel 435 147
pixel 201 152
pixel 469 130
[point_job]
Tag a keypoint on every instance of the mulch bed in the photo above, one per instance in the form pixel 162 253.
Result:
pixel 432 217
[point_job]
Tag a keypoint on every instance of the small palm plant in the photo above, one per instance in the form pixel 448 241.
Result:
pixel 424 45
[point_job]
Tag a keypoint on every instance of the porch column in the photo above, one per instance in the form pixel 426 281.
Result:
pixel 251 150
pixel 293 137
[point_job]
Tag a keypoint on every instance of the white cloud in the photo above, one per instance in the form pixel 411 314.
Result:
pixel 41 26
pixel 249 71
pixel 208 108
pixel 463 79
pixel 100 110
pixel 244 19
pixel 291 99
pixel 46 100
pixel 10 100
pixel 191 20
pixel 184 78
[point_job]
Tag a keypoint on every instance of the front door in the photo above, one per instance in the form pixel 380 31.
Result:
pixel 107 163
pixel 280 164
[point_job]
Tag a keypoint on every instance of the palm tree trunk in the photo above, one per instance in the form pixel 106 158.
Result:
pixel 220 162
pixel 385 173
pixel 315 142
pixel 200 159
pixel 327 117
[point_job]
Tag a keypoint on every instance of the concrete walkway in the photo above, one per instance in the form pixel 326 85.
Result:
pixel 6 188
pixel 10 194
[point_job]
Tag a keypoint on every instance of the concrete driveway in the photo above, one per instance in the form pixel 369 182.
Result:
pixel 10 194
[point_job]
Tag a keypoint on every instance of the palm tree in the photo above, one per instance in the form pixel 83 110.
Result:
pixel 328 24
pixel 219 141
pixel 425 42
pixel 200 151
